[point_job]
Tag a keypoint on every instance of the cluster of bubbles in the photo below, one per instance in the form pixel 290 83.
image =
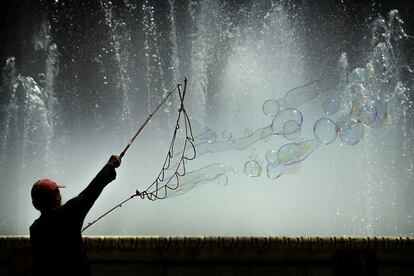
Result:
pixel 287 122
pixel 360 96
pixel 351 100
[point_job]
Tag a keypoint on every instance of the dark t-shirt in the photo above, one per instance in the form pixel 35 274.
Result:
pixel 56 237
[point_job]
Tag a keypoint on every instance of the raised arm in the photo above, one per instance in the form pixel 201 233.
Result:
pixel 79 206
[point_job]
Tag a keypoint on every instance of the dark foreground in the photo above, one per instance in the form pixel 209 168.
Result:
pixel 134 255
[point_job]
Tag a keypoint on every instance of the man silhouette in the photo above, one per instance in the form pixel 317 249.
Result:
pixel 56 237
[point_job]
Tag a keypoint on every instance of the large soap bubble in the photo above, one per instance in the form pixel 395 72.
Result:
pixel 270 107
pixel 287 122
pixel 350 129
pixel 252 168
pixel 325 131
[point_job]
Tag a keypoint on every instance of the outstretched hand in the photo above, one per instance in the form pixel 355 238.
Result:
pixel 115 161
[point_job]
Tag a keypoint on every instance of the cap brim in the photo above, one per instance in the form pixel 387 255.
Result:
pixel 60 185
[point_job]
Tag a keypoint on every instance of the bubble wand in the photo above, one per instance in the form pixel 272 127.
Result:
pixel 189 140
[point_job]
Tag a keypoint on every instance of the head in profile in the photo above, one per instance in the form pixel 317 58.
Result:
pixel 46 195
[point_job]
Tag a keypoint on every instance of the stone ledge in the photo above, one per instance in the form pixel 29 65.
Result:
pixel 228 249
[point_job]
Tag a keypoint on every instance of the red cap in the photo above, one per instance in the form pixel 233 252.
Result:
pixel 44 185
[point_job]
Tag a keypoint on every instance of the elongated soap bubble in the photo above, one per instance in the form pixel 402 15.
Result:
pixel 240 143
pixel 298 95
pixel 282 123
pixel 296 151
pixel 301 94
pixel 252 168
pixel 274 171
pixel 270 107
pixel 193 179
pixel 350 129
pixel 325 131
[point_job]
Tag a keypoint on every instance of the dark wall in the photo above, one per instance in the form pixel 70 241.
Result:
pixel 298 256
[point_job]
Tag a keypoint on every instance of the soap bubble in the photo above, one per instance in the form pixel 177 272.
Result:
pixel 227 136
pixel 370 111
pixel 281 124
pixel 350 129
pixel 358 75
pixel 252 168
pixel 296 151
pixel 271 156
pixel 270 107
pixel 292 130
pixel 274 171
pixel 365 110
pixel 208 135
pixel 325 131
pixel 331 105
pixel 222 180
pixel 381 117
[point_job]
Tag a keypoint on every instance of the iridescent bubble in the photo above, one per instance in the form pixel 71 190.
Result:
pixel 296 151
pixel 274 171
pixel 270 107
pixel 227 136
pixel 292 130
pixel 364 110
pixel 222 180
pixel 381 118
pixel 271 156
pixel 330 106
pixel 303 93
pixel 208 135
pixel 281 123
pixel 325 131
pixel 358 75
pixel 350 129
pixel 370 111
pixel 252 168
